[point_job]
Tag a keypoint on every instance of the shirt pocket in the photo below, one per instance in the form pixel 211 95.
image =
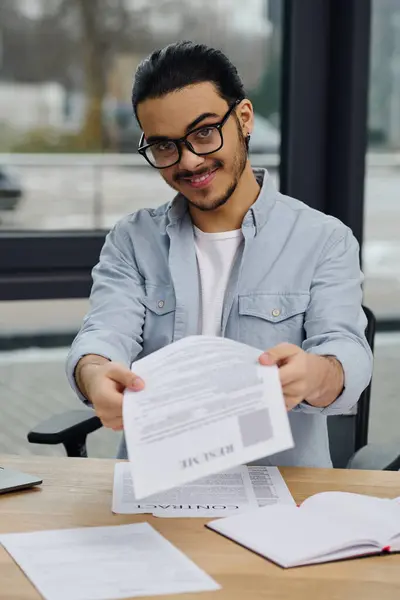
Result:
pixel 268 319
pixel 159 320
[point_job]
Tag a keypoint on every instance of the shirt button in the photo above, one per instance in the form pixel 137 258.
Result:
pixel 276 312
pixel 161 304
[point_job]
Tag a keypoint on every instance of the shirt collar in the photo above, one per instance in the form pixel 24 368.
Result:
pixel 259 212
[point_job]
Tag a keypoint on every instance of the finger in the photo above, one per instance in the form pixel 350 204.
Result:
pixel 289 373
pixel 118 425
pixel 292 401
pixel 114 424
pixel 294 389
pixel 108 401
pixel 280 352
pixel 266 360
pixel 122 375
pixel 108 417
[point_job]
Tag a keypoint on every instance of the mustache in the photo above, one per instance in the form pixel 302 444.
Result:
pixel 217 164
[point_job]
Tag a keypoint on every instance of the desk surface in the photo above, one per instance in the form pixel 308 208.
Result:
pixel 77 492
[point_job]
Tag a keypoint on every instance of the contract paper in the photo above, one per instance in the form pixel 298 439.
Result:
pixel 220 495
pixel 227 493
pixel 208 406
pixel 269 486
pixel 102 563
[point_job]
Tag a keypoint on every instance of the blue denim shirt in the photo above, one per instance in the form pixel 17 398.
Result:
pixel 297 279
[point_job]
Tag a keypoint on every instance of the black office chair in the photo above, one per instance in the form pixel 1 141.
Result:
pixel 348 434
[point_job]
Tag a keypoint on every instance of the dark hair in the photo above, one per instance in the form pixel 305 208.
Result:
pixel 181 64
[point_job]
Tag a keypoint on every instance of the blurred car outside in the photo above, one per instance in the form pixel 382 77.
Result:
pixel 10 191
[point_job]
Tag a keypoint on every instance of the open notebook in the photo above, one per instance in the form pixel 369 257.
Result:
pixel 326 527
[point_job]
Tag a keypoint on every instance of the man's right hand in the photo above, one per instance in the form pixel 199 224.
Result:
pixel 103 382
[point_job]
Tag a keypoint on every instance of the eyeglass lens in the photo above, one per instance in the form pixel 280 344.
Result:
pixel 203 141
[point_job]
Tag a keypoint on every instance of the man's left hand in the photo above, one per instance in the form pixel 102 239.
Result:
pixel 316 379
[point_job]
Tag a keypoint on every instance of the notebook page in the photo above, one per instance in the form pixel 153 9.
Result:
pixel 395 539
pixel 289 536
pixel 380 517
pixel 394 543
pixel 351 552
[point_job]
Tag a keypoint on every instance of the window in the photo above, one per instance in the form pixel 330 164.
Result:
pixel 381 251
pixel 69 167
pixel 65 112
pixel 381 248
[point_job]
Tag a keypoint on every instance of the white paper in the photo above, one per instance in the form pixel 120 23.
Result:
pixel 208 406
pixel 227 493
pixel 218 495
pixel 269 486
pixel 101 563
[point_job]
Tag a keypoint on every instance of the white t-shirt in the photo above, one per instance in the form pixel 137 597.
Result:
pixel 216 253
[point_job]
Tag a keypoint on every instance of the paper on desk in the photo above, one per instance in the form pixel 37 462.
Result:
pixel 269 486
pixel 217 495
pixel 207 406
pixel 101 563
pixel 227 493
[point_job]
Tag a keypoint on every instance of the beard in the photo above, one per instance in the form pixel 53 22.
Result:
pixel 239 165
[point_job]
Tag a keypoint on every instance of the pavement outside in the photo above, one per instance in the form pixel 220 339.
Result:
pixel 33 387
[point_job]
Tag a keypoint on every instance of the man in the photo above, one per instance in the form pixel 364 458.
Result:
pixel 229 256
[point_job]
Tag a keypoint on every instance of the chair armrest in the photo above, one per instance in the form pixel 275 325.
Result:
pixel 65 427
pixel 382 457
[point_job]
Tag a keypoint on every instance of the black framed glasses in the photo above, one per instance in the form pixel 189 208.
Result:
pixel 203 140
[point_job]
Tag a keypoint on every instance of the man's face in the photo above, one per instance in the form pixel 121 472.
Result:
pixel 206 181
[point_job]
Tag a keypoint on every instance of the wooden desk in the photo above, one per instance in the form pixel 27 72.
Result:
pixel 77 492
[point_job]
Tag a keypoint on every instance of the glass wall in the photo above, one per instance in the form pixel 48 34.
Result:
pixel 66 73
pixel 68 157
pixel 381 250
